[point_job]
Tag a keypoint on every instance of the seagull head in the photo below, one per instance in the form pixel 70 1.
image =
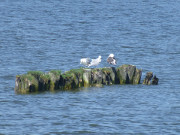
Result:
pixel 99 57
pixel 111 55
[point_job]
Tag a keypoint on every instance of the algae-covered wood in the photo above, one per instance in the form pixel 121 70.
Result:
pixel 35 81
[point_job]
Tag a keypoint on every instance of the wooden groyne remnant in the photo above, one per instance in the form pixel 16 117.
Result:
pixel 37 81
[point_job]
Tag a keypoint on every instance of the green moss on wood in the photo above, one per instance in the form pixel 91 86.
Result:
pixel 125 74
pixel 147 80
pixel 56 72
pixel 106 70
pixel 54 79
pixel 26 76
pixel 67 74
pixel 75 77
pixel 36 74
pixel 35 81
pixel 97 76
pixel 45 78
pixel 26 84
pixel 52 86
pixel 78 71
pixel 137 76
pixel 120 77
pixel 87 80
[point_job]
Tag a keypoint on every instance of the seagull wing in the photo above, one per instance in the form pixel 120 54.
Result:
pixel 95 62
pixel 85 61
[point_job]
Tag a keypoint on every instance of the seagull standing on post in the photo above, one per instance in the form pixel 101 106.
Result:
pixel 111 59
pixel 95 62
pixel 85 61
pixel 90 62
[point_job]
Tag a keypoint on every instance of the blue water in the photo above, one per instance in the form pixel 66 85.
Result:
pixel 55 34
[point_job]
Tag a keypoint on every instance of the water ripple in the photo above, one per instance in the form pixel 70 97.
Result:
pixel 45 35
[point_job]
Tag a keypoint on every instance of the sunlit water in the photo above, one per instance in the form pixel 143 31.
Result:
pixel 45 35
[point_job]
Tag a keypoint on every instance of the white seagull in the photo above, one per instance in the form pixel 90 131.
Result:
pixel 90 62
pixel 95 62
pixel 111 59
pixel 85 61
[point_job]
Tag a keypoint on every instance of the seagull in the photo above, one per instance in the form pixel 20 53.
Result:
pixel 95 62
pixel 111 59
pixel 85 61
pixel 90 62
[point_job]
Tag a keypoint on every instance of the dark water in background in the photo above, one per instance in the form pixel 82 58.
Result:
pixel 55 34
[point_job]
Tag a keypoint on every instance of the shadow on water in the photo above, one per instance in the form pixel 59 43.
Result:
pixel 75 90
pixel 101 87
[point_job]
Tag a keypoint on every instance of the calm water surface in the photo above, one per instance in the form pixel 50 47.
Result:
pixel 55 34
